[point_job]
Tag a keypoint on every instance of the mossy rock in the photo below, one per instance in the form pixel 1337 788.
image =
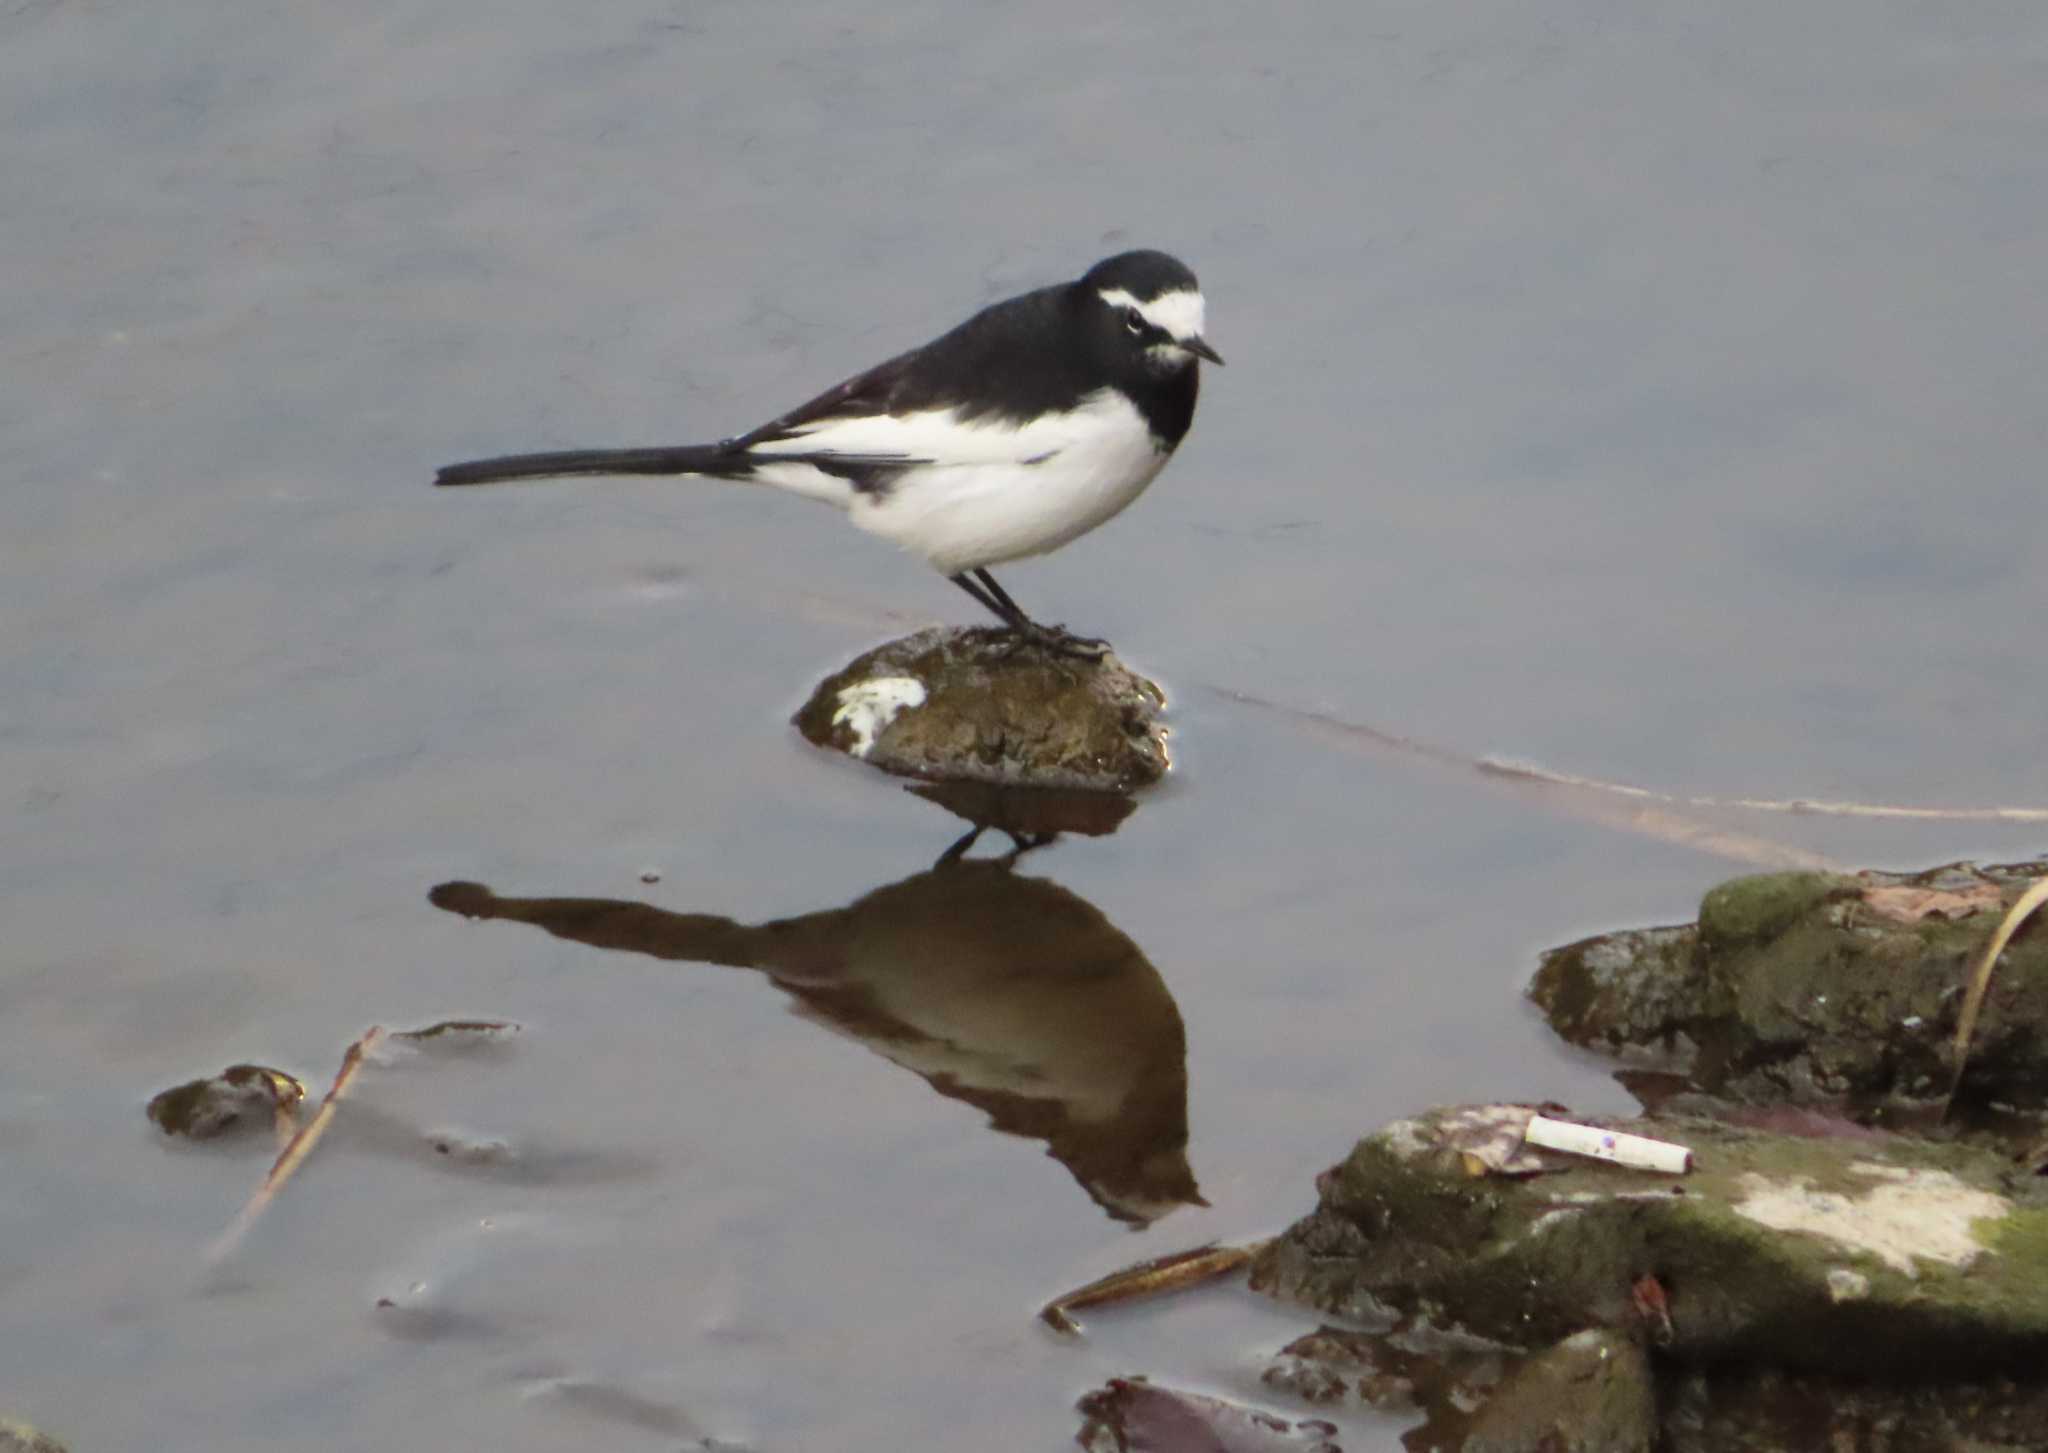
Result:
pixel 21 1438
pixel 1819 987
pixel 1864 1254
pixel 986 705
pixel 1591 1393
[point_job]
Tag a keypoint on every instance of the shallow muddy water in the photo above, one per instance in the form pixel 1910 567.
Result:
pixel 1654 397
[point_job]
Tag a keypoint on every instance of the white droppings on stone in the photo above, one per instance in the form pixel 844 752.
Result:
pixel 1908 1215
pixel 867 707
pixel 1845 1285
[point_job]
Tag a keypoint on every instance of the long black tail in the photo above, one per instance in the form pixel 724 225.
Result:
pixel 680 459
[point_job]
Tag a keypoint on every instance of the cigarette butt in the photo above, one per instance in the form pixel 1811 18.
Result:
pixel 1637 1152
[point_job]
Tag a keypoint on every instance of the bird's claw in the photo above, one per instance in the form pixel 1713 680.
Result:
pixel 1061 641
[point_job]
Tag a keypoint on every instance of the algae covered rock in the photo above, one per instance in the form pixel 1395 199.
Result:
pixel 1866 1254
pixel 21 1438
pixel 1819 986
pixel 1594 1392
pixel 986 705
pixel 1591 1393
pixel 1137 1415
pixel 1747 1409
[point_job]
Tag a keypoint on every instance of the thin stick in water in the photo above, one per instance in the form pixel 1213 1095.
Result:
pixel 1147 1279
pixel 294 1155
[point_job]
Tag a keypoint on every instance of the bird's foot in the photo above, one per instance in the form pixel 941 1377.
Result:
pixel 1060 641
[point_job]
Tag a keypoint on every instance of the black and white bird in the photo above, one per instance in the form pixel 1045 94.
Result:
pixel 1027 426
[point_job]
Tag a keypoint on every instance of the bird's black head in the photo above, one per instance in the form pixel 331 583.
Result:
pixel 1145 311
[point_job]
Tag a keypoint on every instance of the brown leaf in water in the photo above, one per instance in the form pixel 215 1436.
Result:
pixel 1147 1279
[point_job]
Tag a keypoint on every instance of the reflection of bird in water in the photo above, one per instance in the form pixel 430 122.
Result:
pixel 1007 992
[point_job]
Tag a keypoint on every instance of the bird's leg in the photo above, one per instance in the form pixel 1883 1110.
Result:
pixel 1009 609
pixel 1020 844
pixel 1006 610
pixel 1056 638
pixel 1023 843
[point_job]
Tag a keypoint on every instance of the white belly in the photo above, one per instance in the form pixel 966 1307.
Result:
pixel 1052 482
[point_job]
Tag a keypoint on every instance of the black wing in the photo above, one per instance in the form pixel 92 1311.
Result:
pixel 877 391
pixel 1006 360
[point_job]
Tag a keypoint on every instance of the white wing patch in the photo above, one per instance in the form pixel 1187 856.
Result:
pixel 1180 313
pixel 930 436
pixel 1055 479
pixel 979 492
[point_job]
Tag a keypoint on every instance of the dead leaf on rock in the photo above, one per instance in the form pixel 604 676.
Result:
pixel 1653 1305
pixel 1490 1140
pixel 1910 905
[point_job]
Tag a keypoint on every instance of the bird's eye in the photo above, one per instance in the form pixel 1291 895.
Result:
pixel 1134 325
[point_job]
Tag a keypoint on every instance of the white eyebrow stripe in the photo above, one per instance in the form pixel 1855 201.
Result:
pixel 1178 312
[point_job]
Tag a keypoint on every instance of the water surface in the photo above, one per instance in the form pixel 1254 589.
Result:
pixel 1649 393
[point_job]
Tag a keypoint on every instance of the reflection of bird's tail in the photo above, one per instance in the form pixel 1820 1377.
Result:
pixel 679 459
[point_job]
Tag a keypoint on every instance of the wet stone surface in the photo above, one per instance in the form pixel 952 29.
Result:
pixel 1817 988
pixel 239 1098
pixel 1591 1393
pixel 1741 1409
pixel 1848 1255
pixel 984 705
pixel 1134 1415
pixel 1601 1390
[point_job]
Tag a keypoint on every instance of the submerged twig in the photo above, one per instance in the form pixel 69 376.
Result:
pixel 1147 1279
pixel 1798 806
pixel 294 1154
pixel 1638 809
pixel 1581 798
pixel 1980 982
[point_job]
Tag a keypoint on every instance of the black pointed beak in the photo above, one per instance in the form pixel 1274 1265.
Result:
pixel 1201 349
